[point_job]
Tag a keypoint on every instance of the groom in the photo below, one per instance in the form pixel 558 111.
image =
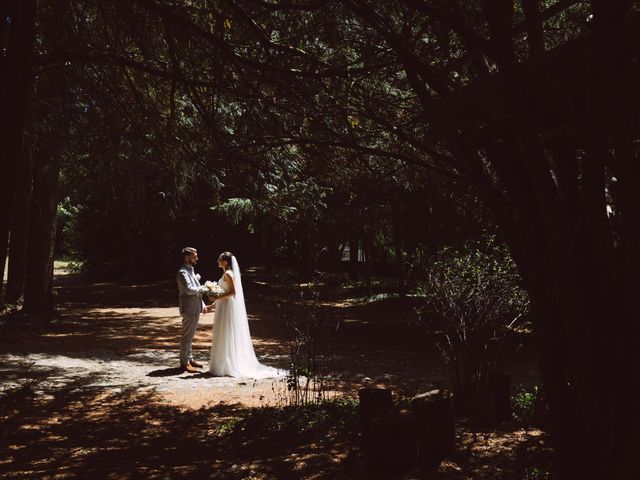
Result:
pixel 191 306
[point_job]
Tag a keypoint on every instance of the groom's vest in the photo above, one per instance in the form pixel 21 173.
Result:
pixel 189 298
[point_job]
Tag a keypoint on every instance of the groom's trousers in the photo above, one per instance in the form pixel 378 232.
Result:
pixel 189 325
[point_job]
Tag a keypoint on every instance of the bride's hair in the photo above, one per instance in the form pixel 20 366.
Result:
pixel 227 257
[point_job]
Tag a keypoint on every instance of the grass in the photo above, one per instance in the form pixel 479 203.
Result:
pixel 296 420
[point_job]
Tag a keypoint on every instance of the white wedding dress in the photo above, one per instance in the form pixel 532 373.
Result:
pixel 232 353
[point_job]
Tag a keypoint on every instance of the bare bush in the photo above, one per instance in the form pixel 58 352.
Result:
pixel 473 299
pixel 311 345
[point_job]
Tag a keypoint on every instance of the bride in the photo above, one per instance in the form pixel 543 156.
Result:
pixel 232 351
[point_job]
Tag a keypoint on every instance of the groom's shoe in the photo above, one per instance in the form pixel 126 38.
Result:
pixel 195 364
pixel 189 368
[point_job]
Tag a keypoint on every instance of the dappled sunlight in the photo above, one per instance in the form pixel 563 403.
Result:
pixel 102 382
pixel 89 432
pixel 376 344
pixel 504 453
pixel 90 329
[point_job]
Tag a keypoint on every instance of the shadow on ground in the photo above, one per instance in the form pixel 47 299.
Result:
pixel 166 372
pixel 84 432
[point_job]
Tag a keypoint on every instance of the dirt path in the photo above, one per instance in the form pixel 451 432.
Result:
pixel 118 336
pixel 125 335
pixel 121 348
pixel 103 341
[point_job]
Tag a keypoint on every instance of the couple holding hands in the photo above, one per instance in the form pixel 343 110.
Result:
pixel 231 352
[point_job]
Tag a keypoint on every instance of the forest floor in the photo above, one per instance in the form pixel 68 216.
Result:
pixel 96 393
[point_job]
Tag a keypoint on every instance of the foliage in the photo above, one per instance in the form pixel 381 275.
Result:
pixel 536 473
pixel 227 426
pixel 523 402
pixel 473 299
pixel 67 229
pixel 8 309
pixel 296 420
pixel 242 152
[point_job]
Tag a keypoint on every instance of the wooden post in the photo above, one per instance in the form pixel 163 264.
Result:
pixel 435 427
pixel 500 387
pixel 540 410
pixel 390 442
pixel 484 411
pixel 374 402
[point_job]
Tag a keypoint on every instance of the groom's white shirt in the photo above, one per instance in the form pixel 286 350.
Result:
pixel 190 291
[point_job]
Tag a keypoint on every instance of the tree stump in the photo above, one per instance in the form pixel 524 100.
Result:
pixel 435 427
pixel 389 443
pixel 500 387
pixel 485 409
pixel 540 410
pixel 374 402
pixel 493 402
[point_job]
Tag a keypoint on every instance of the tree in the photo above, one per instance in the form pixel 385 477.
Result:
pixel 18 28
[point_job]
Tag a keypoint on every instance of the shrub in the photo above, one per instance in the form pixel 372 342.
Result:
pixel 473 299
pixel 524 402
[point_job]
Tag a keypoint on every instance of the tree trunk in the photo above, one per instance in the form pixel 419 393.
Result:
pixel 52 96
pixel 5 175
pixel 4 239
pixel 577 281
pixel 19 231
pixel 38 295
pixel 15 84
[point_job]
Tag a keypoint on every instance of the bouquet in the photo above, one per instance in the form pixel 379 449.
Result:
pixel 213 289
